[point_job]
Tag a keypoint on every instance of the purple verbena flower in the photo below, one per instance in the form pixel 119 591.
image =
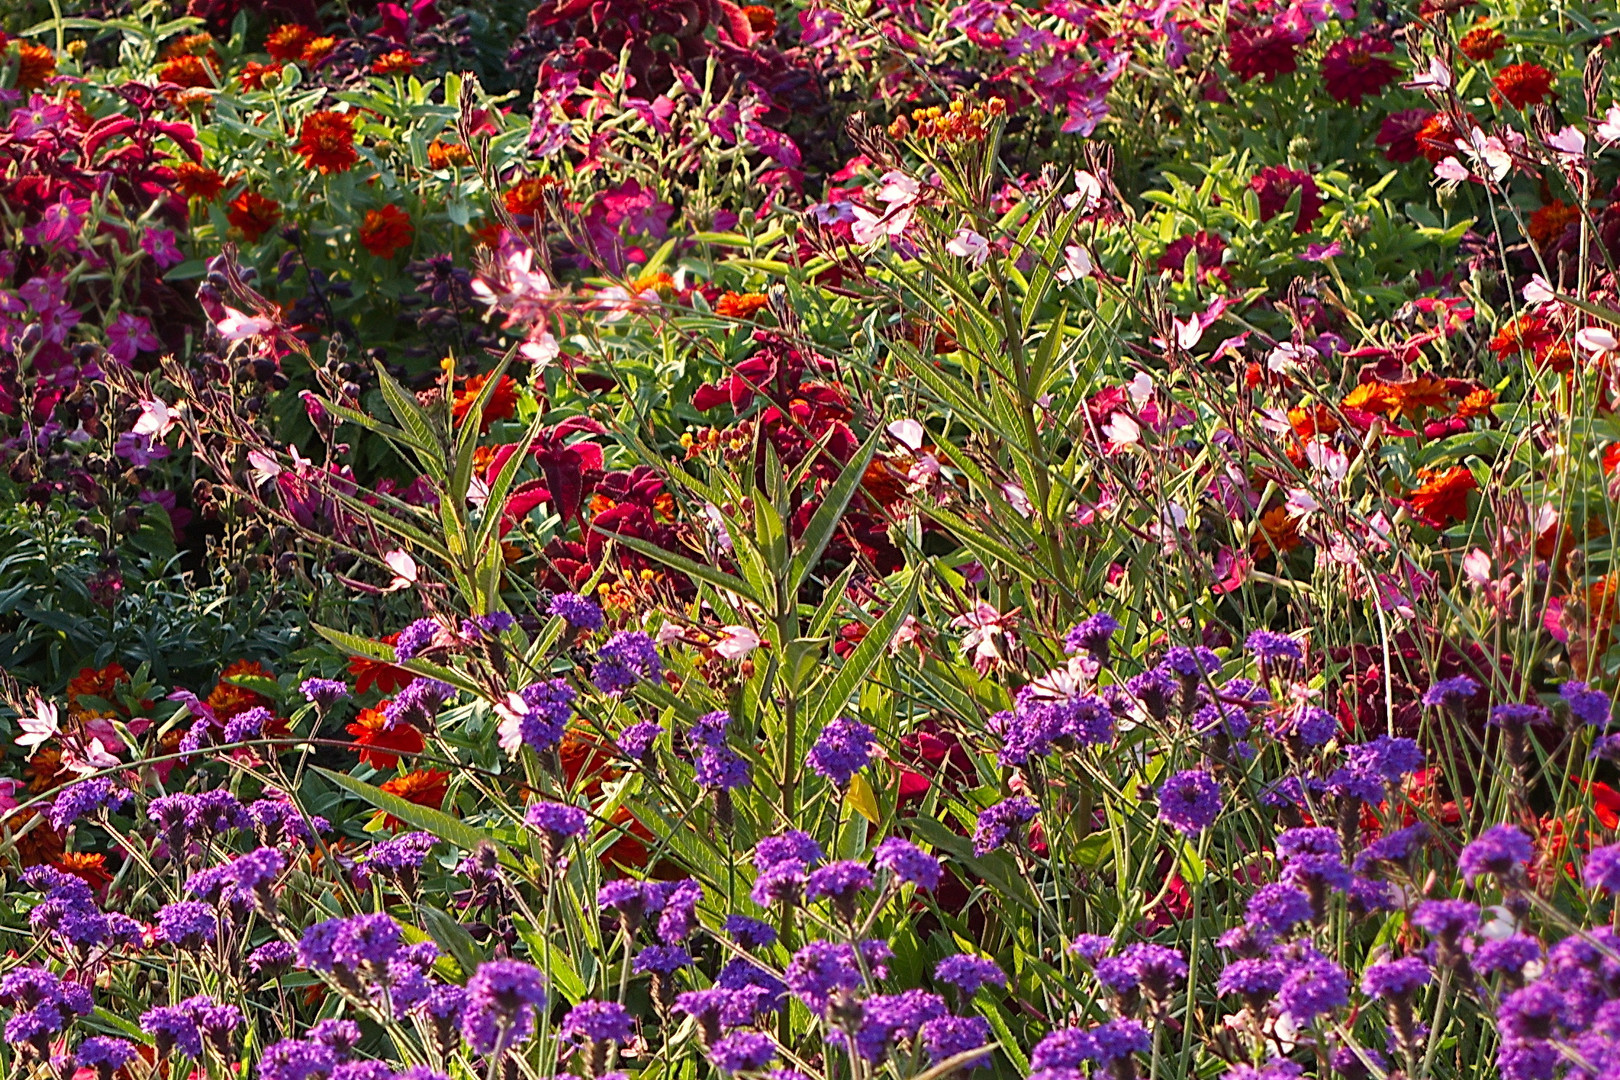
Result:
pixel 843 749
pixel 908 863
pixel 1190 801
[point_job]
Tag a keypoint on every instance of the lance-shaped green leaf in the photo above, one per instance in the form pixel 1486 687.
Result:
pixel 837 692
pixel 437 822
pixel 834 501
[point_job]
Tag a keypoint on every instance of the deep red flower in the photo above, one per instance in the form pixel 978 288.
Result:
pixel 198 181
pixel 1276 184
pixel 1352 68
pixel 1522 85
pixel 1398 134
pixel 1265 51
pixel 381 745
pixel 1482 43
pixel 384 676
pixel 1209 249
pixel 1442 497
pixel 254 214
pixel 287 42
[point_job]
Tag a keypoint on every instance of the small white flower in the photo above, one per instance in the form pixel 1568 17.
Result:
pixel 1076 264
pixel 967 244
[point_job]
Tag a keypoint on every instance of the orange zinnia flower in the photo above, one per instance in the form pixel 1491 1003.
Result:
pixel 287 42
pixel 1278 533
pixel 502 403
pixel 395 62
pixel 1442 497
pixel 381 745
pixel 443 155
pixel 1373 397
pixel 35 65
pixel 227 699
pixel 425 787
pixel 254 214
pixel 251 77
pixel 526 197
pixel 198 181
pixel 1522 334
pixel 318 49
pixel 735 305
pixel 188 71
pixel 44 770
pixel 1477 403
pixel 385 231
pixel 1482 43
pixel 87 867
pixel 326 141
pixel 1423 392
pixel 1312 421
pixel 1437 138
pixel 761 19
pixel 41 844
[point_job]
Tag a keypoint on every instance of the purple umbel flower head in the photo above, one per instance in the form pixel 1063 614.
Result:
pixel 1502 850
pixel 578 612
pixel 1190 801
pixel 414 638
pixel 843 749
pixel 627 658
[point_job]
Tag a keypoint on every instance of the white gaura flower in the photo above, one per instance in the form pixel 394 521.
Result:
pixel 969 245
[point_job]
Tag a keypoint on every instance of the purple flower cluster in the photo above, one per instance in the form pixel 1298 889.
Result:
pixel 324 693
pixel 716 765
pixel 996 825
pixel 44 1005
pixel 577 611
pixel 87 797
pixel 627 658
pixel 1190 801
pixel 418 703
pixel 843 749
pixel 502 998
pixel 550 705
pixel 414 639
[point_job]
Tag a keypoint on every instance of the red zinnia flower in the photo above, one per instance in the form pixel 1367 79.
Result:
pixel 1442 497
pixel 1398 134
pixel 502 403
pixel 1266 51
pixel 395 62
pixel 381 745
pixel 1522 85
pixel 385 231
pixel 1352 68
pixel 526 197
pixel 1482 43
pixel 318 49
pixel 1437 138
pixel 252 74
pixel 254 214
pixel 1522 334
pixel 1276 184
pixel 384 676
pixel 1548 223
pixel 287 42
pixel 198 181
pixel 326 141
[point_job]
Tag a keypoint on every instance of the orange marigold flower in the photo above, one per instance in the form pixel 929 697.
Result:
pixel 44 770
pixel 1476 403
pixel 1522 85
pixel 380 745
pixel 1312 421
pixel 1373 397
pixel 254 214
pixel 385 231
pixel 425 787
pixel 443 155
pixel 526 197
pixel 1278 533
pixel 228 699
pixel 287 42
pixel 88 867
pixel 734 305
pixel 1556 355
pixel 502 403
pixel 100 684
pixel 395 62
pixel 384 676
pixel 1482 43
pixel 1548 223
pixel 192 72
pixel 189 45
pixel 40 844
pixel 761 19
pixel 326 141
pixel 318 49
pixel 1442 496
pixel 1423 392
pixel 1522 334
pixel 198 181
pixel 35 65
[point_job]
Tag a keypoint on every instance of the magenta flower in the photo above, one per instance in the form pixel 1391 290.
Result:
pixel 130 334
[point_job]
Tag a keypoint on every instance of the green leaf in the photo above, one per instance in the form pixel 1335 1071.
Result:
pixel 453 938
pixel 834 501
pixel 836 693
pixel 437 822
pixel 414 424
